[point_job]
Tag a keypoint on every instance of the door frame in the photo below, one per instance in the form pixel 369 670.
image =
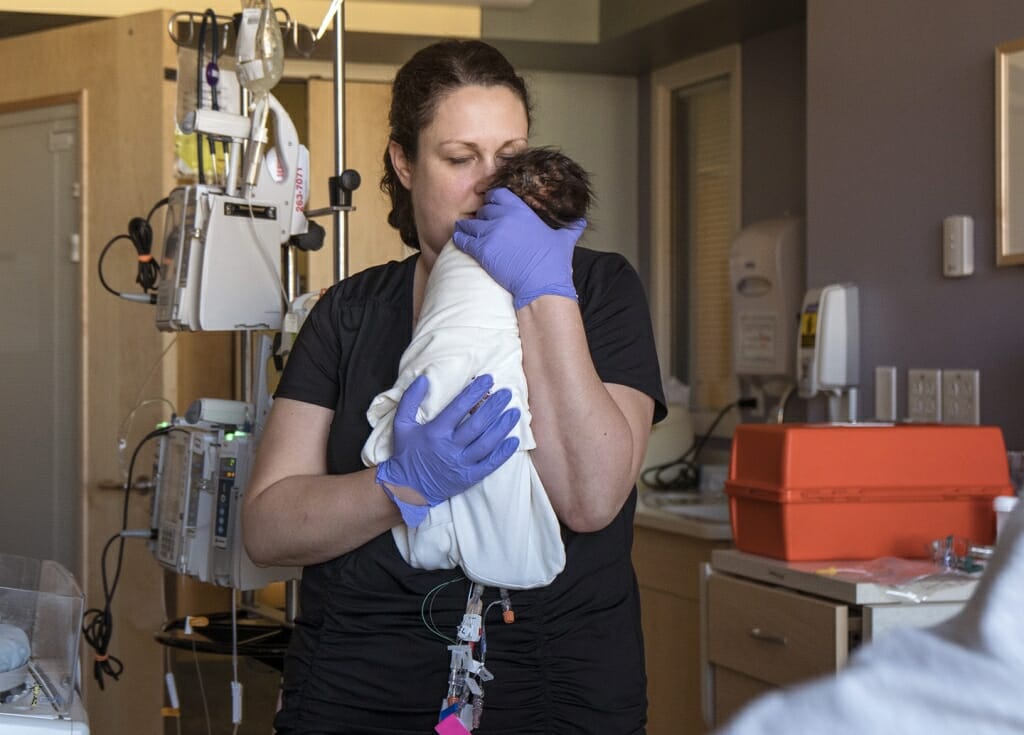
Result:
pixel 664 81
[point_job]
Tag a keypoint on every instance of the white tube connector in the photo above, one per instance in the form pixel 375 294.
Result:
pixel 236 702
pixel 172 690
pixel 146 533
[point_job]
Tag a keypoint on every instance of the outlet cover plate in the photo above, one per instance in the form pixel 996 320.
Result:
pixel 924 395
pixel 961 397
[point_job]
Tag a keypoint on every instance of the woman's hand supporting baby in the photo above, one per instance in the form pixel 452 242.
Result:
pixel 518 250
pixel 449 454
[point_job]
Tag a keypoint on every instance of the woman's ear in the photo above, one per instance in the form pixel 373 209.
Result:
pixel 401 164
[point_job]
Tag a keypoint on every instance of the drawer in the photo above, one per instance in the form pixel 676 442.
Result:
pixel 733 691
pixel 773 635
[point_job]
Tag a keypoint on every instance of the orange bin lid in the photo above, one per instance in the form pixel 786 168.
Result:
pixel 847 461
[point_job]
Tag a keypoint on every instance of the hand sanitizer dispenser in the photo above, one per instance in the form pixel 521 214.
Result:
pixel 828 348
pixel 766 269
pixel 766 273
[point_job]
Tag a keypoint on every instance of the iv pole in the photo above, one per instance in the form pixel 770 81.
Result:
pixel 340 212
pixel 340 217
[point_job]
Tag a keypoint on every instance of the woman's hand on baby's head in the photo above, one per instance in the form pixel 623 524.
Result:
pixel 518 250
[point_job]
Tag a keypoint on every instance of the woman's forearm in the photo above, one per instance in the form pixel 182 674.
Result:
pixel 590 437
pixel 294 512
pixel 307 519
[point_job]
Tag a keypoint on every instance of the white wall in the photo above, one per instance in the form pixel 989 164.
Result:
pixel 593 119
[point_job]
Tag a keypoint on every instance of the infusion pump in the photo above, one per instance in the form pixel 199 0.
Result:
pixel 221 264
pixel 202 468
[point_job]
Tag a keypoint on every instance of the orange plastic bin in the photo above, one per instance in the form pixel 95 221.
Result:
pixel 804 492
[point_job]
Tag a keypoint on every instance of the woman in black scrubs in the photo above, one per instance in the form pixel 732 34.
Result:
pixel 365 655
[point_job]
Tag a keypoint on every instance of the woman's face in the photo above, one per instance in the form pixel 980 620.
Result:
pixel 473 129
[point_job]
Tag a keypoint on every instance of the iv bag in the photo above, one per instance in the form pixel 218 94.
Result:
pixel 259 49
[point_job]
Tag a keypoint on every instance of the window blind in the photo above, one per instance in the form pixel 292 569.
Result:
pixel 703 232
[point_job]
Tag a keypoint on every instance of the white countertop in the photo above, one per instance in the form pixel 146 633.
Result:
pixel 858 582
pixel 704 516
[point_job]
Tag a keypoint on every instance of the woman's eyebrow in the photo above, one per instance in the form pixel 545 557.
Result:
pixel 476 146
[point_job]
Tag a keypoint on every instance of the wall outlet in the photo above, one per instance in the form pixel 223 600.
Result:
pixel 924 395
pixel 961 397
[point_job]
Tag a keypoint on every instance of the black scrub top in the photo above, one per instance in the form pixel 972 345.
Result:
pixel 364 655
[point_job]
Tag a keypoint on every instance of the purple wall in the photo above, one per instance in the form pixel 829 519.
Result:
pixel 900 134
pixel 774 130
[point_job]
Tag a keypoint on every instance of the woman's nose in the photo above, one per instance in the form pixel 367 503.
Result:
pixel 487 171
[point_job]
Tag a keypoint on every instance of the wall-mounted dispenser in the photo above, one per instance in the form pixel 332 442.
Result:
pixel 766 272
pixel 828 351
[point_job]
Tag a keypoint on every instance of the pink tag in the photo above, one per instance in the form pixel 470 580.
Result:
pixel 451 725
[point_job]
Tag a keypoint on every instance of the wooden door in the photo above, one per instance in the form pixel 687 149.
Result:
pixel 40 349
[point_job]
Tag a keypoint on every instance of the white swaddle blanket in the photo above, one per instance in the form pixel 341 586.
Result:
pixel 503 531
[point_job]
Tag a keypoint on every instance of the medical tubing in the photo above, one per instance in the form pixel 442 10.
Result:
pixel 200 72
pixel 98 624
pixel 202 688
pixel 236 685
pixel 126 424
pixel 265 256
pixel 427 612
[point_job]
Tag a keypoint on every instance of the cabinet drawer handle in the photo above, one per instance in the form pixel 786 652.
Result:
pixel 760 635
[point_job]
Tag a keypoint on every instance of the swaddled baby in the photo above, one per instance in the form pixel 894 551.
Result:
pixel 503 531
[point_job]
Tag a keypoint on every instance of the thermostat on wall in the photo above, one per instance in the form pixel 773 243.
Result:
pixel 957 246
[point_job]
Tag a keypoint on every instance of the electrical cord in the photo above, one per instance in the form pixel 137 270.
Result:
pixel 98 624
pixel 140 235
pixel 687 466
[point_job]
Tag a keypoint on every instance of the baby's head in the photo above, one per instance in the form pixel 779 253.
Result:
pixel 554 185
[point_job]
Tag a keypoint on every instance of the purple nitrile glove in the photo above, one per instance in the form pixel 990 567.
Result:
pixel 453 451
pixel 518 250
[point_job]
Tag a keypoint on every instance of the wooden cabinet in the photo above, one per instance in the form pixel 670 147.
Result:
pixel 668 565
pixel 760 636
pixel 768 623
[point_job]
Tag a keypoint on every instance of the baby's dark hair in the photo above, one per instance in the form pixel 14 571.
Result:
pixel 554 185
